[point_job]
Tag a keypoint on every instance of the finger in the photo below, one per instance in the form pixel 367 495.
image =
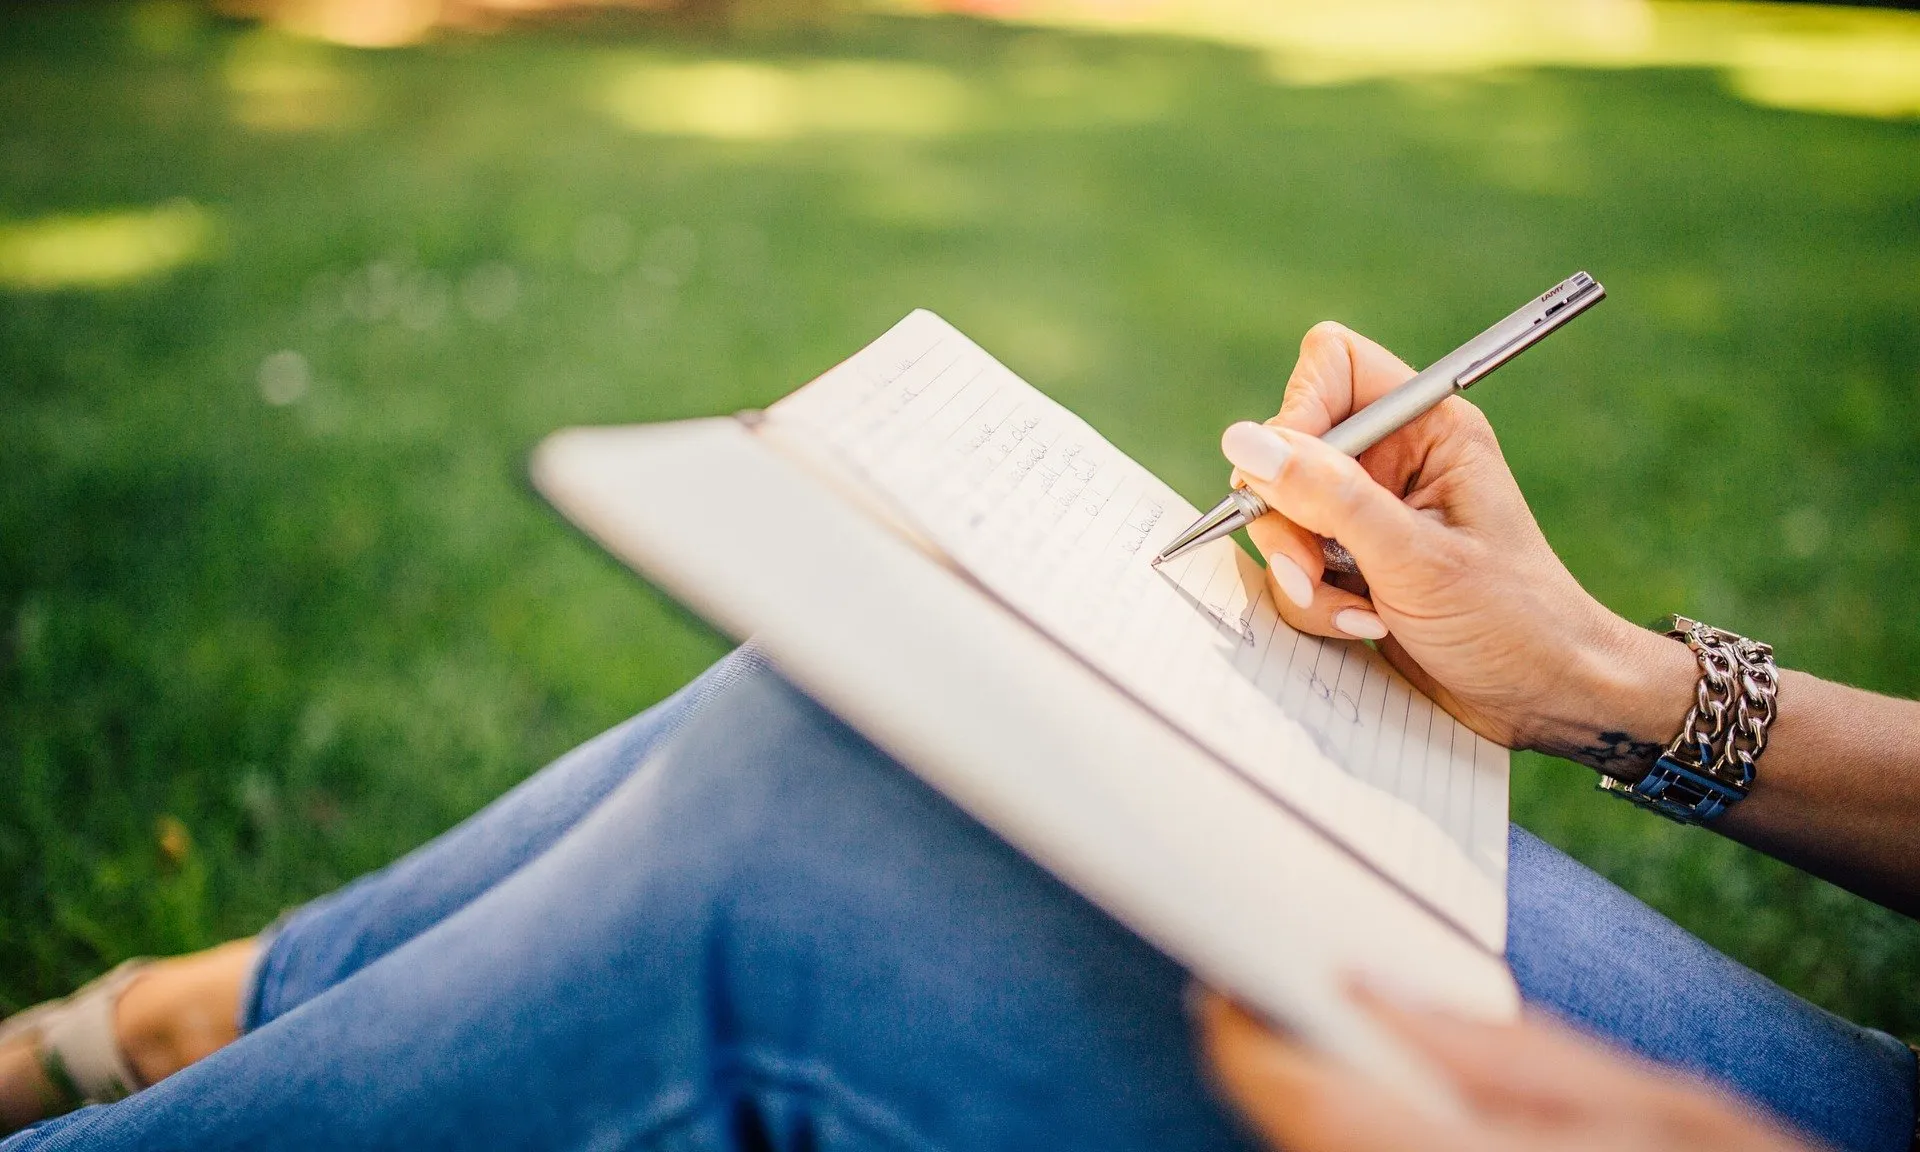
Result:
pixel 1304 599
pixel 1539 1071
pixel 1330 494
pixel 1534 1065
pixel 1339 371
pixel 1293 555
pixel 1306 1102
pixel 1296 560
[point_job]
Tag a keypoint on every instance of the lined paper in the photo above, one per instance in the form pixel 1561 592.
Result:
pixel 1041 511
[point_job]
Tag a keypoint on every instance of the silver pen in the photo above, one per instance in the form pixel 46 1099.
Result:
pixel 1455 372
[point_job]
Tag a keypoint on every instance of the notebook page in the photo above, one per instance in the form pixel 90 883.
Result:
pixel 1038 508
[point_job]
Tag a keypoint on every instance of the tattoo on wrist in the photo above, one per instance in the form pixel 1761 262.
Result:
pixel 1616 754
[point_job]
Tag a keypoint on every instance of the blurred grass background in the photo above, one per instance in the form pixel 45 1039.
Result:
pixel 280 321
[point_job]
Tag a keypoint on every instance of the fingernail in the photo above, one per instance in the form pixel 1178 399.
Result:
pixel 1292 579
pixel 1359 623
pixel 1255 449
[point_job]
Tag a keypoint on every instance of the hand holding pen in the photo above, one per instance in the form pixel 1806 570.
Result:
pixel 1381 417
pixel 1461 588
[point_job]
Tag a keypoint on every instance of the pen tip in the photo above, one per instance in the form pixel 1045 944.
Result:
pixel 1155 562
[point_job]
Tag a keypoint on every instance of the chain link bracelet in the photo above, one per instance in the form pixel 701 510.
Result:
pixel 1709 766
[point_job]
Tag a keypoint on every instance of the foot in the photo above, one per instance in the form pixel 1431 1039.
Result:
pixel 26 1095
pixel 183 1009
pixel 173 1013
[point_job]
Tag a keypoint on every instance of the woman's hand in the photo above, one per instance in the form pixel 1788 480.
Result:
pixel 1532 1086
pixel 1459 586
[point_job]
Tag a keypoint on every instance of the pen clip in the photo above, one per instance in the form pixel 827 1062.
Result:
pixel 1586 293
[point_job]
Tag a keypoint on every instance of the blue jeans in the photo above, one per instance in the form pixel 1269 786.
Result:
pixel 732 923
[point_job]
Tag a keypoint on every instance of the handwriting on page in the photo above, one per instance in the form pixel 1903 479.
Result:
pixel 1031 502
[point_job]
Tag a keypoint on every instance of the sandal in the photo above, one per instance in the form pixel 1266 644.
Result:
pixel 74 1041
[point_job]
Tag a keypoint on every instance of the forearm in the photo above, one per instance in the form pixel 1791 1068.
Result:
pixel 1837 791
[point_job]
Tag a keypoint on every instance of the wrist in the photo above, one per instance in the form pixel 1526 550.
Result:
pixel 1629 692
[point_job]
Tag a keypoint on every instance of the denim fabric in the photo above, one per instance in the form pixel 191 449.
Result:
pixel 328 940
pixel 1590 953
pixel 774 937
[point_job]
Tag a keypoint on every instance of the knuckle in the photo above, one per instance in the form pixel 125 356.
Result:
pixel 1324 332
pixel 1460 417
pixel 1299 401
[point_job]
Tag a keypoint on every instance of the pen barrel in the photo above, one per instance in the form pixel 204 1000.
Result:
pixel 1455 372
pixel 1391 412
pixel 1472 361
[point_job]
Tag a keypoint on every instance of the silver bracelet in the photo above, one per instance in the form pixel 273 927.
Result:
pixel 1709 766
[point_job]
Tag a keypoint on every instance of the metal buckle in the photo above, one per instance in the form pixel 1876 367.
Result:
pixel 1684 793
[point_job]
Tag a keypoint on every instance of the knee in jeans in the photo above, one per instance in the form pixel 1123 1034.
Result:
pixel 821 867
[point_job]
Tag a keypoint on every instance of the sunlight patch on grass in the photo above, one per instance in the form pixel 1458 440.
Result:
pixel 1861 62
pixel 752 101
pixel 103 249
pixel 283 84
pixel 1852 74
pixel 354 23
pixel 1036 87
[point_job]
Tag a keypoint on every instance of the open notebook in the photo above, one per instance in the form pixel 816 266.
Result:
pixel 958 565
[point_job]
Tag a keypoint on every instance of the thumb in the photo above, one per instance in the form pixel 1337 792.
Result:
pixel 1327 492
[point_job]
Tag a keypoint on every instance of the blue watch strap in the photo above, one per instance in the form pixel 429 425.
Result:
pixel 1683 793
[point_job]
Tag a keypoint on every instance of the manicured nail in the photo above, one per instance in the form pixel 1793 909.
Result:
pixel 1255 449
pixel 1362 624
pixel 1292 579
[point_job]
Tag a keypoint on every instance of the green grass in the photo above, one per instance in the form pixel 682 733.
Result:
pixel 315 634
